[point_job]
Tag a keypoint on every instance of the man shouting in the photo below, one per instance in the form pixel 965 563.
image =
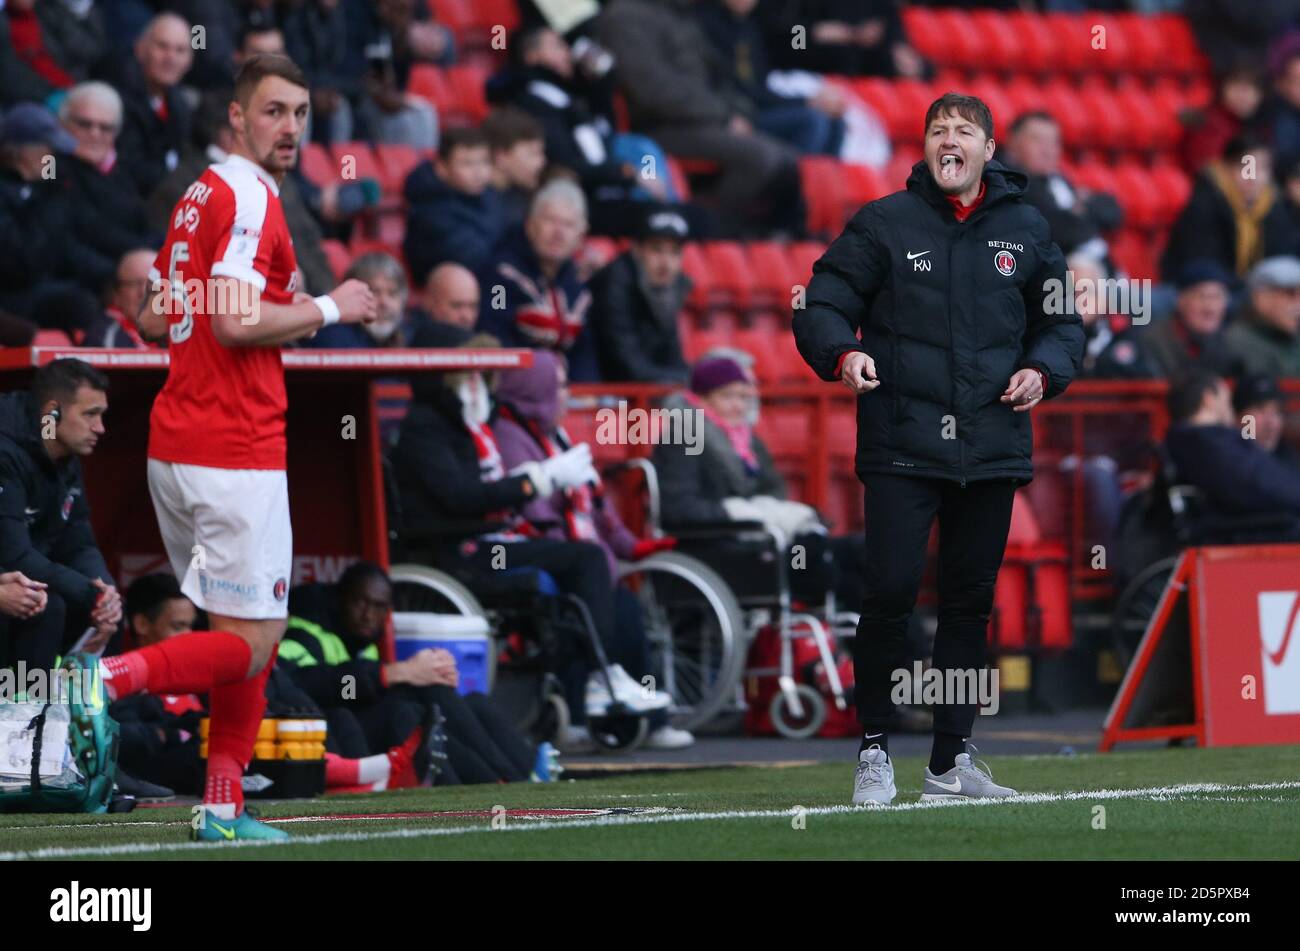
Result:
pixel 931 307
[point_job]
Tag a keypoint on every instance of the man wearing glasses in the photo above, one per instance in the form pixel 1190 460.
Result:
pixel 106 209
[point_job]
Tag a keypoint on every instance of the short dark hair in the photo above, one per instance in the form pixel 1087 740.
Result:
pixel 60 379
pixel 1187 392
pixel 149 593
pixel 358 573
pixel 211 117
pixel 256 28
pixel 261 65
pixel 1033 115
pixel 461 138
pixel 525 40
pixel 507 127
pixel 968 107
pixel 1243 144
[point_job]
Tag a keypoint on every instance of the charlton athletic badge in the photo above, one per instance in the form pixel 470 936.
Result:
pixel 1005 262
pixel 280 590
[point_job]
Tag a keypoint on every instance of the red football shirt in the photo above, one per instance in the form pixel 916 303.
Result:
pixel 223 406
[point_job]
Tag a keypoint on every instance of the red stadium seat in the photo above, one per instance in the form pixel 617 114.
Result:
pixel 785 431
pixel 1146 43
pixel 1181 52
pixel 395 163
pixel 429 83
pixel 925 32
pixel 51 338
pixel 696 267
pixel 862 184
pixel 1173 187
pixel 456 15
pixel 490 13
pixel 316 164
pixel 600 249
pixel 337 255
pixel 354 161
pixel 467 86
pixel 678 177
pixel 878 94
pixel 962 43
pixel 760 344
pixel 823 190
pixel 802 254
pixel 773 280
pixel 792 367
pixel 701 341
pixel 733 283
pixel 1038 53
pixel 1000 46
pixel 1140 200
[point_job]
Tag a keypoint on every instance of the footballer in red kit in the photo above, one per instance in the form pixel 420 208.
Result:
pixel 225 299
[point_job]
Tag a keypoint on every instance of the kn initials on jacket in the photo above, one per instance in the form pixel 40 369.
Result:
pixel 948 311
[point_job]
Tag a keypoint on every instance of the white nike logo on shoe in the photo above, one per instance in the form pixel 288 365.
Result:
pixel 916 254
pixel 954 786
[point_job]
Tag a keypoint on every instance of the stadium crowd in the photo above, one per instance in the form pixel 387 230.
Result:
pixel 490 234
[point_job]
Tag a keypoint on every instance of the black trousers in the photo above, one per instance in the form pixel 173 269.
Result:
pixel 483 746
pixel 40 640
pixel 579 568
pixel 973 526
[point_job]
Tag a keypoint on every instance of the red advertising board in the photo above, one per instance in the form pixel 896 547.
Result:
pixel 1223 648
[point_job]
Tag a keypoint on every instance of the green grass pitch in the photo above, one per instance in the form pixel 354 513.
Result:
pixel 1165 804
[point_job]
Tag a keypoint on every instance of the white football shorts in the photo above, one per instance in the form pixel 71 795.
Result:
pixel 228 536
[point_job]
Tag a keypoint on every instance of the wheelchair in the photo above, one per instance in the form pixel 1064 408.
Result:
pixel 1155 526
pixel 704 604
pixel 530 619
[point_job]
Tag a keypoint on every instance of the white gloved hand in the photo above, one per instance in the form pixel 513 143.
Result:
pixel 571 468
pixel 537 475
pixel 742 510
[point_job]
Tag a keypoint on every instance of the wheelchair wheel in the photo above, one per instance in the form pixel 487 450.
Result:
pixel 1136 606
pixel 421 588
pixel 696 632
pixel 618 734
pixel 798 727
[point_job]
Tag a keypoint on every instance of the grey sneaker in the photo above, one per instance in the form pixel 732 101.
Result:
pixel 964 781
pixel 873 782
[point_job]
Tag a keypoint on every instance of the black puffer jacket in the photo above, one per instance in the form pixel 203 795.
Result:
pixel 949 311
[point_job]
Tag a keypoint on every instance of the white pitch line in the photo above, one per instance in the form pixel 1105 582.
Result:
pixel 1184 792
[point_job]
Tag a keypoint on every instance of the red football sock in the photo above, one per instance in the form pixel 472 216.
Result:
pixel 235 713
pixel 401 761
pixel 188 663
pixel 341 771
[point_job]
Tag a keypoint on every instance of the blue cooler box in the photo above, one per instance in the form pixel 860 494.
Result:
pixel 466 638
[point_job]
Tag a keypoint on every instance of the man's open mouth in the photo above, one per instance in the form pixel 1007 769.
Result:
pixel 950 167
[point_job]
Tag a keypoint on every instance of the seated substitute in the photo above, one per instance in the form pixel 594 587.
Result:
pixel 45 530
pixel 331 651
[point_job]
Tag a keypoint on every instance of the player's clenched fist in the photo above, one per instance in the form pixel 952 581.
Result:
pixel 356 302
pixel 858 372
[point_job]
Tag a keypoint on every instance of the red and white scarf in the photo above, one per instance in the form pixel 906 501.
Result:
pixel 577 503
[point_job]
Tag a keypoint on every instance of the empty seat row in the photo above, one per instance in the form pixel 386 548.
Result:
pixel 1014 41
